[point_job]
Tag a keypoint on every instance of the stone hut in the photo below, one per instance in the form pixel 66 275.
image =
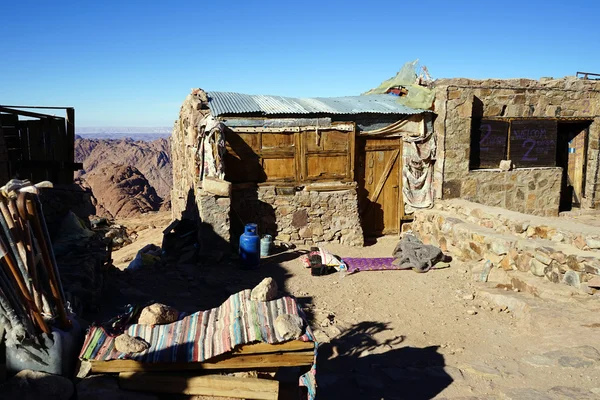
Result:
pixel 548 129
pixel 305 170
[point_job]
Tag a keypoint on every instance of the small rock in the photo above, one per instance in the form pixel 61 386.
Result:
pixel 158 314
pixel 505 165
pixel 320 336
pixel 30 385
pixel 266 290
pixel 594 282
pixel 469 297
pixel 526 394
pixel 593 242
pixel 471 312
pixel 129 344
pixel 567 392
pixel 571 278
pixel 289 326
pixel 574 362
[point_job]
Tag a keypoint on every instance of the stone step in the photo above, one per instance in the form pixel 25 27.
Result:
pixel 555 229
pixel 557 262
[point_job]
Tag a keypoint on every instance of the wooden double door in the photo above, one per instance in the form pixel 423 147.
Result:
pixel 379 175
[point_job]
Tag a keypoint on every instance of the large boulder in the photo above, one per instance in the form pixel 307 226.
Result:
pixel 289 326
pixel 266 290
pixel 120 191
pixel 129 344
pixel 158 314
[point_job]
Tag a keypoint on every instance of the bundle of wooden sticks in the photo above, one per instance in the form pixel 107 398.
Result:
pixel 31 295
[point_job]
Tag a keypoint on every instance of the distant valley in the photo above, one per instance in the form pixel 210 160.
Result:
pixel 135 133
pixel 127 176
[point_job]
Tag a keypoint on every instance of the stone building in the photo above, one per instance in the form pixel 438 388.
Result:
pixel 548 129
pixel 305 170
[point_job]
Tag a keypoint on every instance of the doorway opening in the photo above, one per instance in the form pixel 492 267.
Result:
pixel 571 151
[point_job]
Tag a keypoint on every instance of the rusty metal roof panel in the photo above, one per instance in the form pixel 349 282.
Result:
pixel 229 103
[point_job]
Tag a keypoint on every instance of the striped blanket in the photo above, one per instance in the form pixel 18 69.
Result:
pixel 199 336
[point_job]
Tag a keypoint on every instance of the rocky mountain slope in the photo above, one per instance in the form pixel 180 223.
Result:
pixel 126 176
pixel 121 191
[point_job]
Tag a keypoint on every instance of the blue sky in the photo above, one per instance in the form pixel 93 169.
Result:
pixel 131 63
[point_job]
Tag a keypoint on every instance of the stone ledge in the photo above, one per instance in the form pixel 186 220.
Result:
pixel 577 234
pixel 558 263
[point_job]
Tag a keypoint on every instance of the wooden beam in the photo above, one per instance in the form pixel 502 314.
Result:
pixel 207 385
pixel 266 348
pixel 330 188
pixel 71 134
pixel 233 361
pixel 27 113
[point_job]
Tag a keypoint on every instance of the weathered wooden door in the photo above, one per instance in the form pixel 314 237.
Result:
pixel 571 155
pixel 379 177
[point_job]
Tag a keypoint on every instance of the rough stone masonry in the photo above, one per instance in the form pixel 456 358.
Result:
pixel 529 190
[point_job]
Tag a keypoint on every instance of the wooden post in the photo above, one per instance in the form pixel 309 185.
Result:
pixel 71 134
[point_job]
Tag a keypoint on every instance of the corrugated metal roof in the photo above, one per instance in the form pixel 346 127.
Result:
pixel 229 103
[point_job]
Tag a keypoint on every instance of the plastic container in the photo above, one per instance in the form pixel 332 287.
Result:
pixel 265 245
pixel 250 247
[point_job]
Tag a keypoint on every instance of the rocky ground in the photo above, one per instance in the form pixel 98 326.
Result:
pixel 125 177
pixel 400 334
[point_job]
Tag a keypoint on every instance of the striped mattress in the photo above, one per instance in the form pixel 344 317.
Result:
pixel 199 336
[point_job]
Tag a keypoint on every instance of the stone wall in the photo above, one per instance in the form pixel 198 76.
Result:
pixel 558 263
pixel 549 98
pixel 300 217
pixel 530 190
pixel 184 143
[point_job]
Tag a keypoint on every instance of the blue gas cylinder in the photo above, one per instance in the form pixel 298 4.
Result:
pixel 250 247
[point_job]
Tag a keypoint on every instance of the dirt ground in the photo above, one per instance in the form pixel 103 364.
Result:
pixel 401 334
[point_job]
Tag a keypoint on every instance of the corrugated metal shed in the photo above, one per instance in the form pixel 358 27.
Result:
pixel 229 103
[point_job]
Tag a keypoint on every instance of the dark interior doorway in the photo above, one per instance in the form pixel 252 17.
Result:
pixel 571 150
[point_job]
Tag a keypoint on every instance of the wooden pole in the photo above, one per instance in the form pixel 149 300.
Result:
pixel 13 271
pixel 55 290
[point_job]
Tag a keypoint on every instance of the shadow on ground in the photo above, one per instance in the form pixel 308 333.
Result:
pixel 199 275
pixel 356 366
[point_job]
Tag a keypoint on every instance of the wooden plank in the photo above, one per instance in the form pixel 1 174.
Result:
pixel 298 156
pixel 386 172
pixel 207 385
pixel 24 135
pixel 401 211
pixel 25 113
pixel 329 188
pixel 352 153
pixel 265 348
pixel 326 167
pixel 279 168
pixel 233 361
pixel 279 141
pixel 326 153
pixel 36 149
pixel 70 133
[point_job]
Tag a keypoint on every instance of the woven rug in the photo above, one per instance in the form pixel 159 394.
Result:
pixel 370 264
pixel 199 336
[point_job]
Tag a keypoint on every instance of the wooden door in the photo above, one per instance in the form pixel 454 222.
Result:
pixel 571 155
pixel 379 176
